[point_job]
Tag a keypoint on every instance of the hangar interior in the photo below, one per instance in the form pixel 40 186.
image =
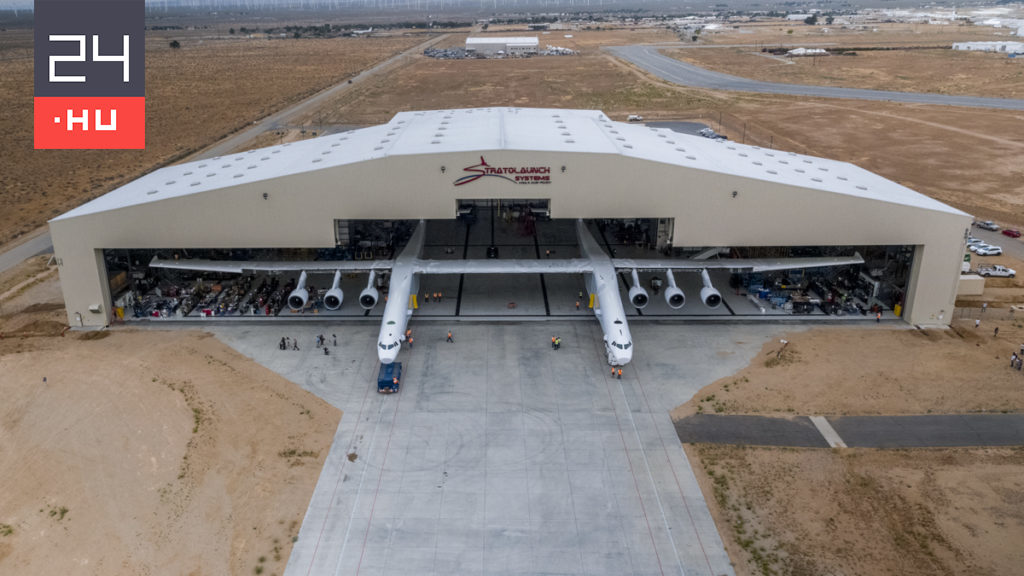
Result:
pixel 506 229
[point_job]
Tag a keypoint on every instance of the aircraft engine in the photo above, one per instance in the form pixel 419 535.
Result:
pixel 369 296
pixel 334 296
pixel 674 296
pixel 712 298
pixel 298 298
pixel 637 295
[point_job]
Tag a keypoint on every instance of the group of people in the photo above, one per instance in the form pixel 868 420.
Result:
pixel 1017 359
pixel 556 342
pixel 438 296
pixel 289 343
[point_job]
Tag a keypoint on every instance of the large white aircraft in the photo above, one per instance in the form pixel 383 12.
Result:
pixel 599 270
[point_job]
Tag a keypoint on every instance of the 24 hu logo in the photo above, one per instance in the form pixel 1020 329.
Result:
pixel 89 71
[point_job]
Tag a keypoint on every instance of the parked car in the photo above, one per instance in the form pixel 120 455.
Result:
pixel 997 270
pixel 975 247
pixel 972 241
pixel 989 251
pixel 1011 233
pixel 987 225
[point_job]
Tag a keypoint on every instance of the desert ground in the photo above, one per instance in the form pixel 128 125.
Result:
pixel 144 452
pixel 200 433
pixel 213 85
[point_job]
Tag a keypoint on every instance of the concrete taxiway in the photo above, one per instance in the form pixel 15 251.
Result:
pixel 652 60
pixel 503 456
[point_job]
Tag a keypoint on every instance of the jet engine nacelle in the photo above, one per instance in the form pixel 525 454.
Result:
pixel 712 298
pixel 637 295
pixel 674 296
pixel 298 298
pixel 334 296
pixel 369 296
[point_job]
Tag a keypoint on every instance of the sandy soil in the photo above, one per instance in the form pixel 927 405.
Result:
pixel 212 86
pixel 144 452
pixel 842 371
pixel 907 512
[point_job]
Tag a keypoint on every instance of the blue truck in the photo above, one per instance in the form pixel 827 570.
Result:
pixel 389 378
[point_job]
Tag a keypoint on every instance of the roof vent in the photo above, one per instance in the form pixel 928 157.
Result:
pixel 731 147
pixel 566 134
pixel 250 167
pixel 211 174
pixel 783 162
pixel 335 145
pixel 627 145
pixel 325 152
pixel 189 173
pixel 151 192
pixel 378 147
pixel 239 158
pixel 194 184
pixel 237 176
pixel 315 160
pixel 202 165
pixel 843 178
pixel 769 154
pixel 800 170
pixel 691 157
pixel 816 179
pixel 772 172
pixel 681 149
pixel 265 158
pixel 806 161
pixel 385 141
pixel 169 182
pixel 756 163
pixel 277 151
pixel 621 138
pixel 743 154
pixel 226 166
pixel 661 135
pixel 438 135
pixel 570 141
pixel 823 169
pixel 670 141
pixel 862 187
pixel 435 141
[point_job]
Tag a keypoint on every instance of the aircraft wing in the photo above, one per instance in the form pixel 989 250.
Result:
pixel 522 266
pixel 737 264
pixel 240 266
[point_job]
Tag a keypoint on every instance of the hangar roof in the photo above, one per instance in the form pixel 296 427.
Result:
pixel 520 129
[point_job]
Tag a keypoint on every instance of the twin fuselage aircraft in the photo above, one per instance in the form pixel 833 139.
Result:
pixel 600 274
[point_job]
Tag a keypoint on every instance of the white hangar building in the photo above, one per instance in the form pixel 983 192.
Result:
pixel 694 193
pixel 511 46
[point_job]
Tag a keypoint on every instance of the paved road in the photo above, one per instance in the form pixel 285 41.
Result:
pixel 651 59
pixel 34 245
pixel 925 431
pixel 42 242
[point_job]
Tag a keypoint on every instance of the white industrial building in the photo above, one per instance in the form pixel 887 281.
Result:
pixel 507 46
pixel 1001 47
pixel 698 193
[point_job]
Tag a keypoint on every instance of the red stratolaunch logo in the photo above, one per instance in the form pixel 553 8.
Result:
pixel 514 174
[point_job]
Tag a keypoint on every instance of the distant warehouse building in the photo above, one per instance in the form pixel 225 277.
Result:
pixel 508 46
pixel 1003 47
